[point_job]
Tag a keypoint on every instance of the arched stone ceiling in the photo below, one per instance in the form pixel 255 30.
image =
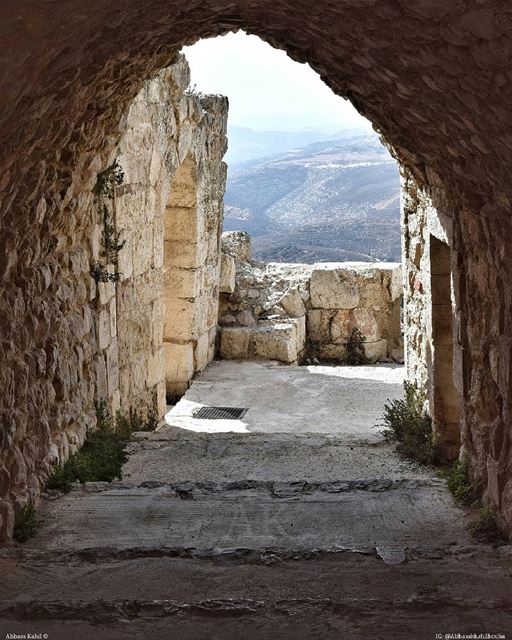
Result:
pixel 434 76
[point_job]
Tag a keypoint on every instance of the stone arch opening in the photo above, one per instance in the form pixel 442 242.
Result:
pixel 426 74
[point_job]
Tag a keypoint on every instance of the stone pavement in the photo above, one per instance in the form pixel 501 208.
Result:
pixel 306 527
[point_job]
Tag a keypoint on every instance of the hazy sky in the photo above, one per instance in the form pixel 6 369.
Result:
pixel 266 89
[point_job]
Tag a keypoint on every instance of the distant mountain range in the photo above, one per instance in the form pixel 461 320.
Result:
pixel 313 196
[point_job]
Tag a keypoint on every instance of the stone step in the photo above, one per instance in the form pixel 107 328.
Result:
pixel 379 514
pixel 174 454
pixel 326 596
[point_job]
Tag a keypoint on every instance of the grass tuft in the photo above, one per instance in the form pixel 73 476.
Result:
pixel 485 528
pixel 407 423
pixel 25 522
pixel 458 482
pixel 99 460
pixel 134 422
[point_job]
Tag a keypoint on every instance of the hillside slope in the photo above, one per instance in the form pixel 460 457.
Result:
pixel 329 200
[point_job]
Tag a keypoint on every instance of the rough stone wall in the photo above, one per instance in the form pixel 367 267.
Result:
pixel 433 361
pixel 105 339
pixel 433 76
pixel 326 300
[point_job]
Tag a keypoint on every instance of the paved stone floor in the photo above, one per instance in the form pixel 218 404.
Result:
pixel 297 521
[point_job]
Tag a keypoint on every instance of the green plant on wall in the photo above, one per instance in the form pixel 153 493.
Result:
pixel 100 273
pixel 99 460
pixel 108 180
pixel 104 191
pixel 111 238
pixel 459 483
pixel 355 348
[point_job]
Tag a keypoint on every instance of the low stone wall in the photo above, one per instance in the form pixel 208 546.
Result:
pixel 294 312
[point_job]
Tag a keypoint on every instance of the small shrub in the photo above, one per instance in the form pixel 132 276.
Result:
pixel 355 348
pixel 25 522
pixel 458 482
pixel 485 528
pixel 99 460
pixel 407 423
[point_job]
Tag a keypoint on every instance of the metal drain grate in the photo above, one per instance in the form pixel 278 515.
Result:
pixel 219 413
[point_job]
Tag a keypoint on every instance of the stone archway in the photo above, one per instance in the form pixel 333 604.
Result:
pixel 434 77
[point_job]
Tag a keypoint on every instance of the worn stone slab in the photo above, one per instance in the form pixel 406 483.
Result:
pixel 282 516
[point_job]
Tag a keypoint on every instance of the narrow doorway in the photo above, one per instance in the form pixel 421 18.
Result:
pixel 445 400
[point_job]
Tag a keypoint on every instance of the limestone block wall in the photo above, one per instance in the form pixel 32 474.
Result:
pixel 169 212
pixel 323 303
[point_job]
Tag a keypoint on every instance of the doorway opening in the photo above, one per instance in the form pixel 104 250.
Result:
pixel 445 399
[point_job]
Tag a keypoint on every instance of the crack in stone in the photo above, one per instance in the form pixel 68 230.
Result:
pixel 239 555
pixel 276 489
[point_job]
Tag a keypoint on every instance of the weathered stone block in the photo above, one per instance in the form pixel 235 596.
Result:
pixel 340 326
pixel 157 322
pixel 161 402
pixel 112 356
pixel 329 351
pixel 179 362
pixel 234 343
pixel 101 377
pixel 104 329
pixel 201 350
pixel 156 371
pixel 237 244
pixel 182 224
pixel 366 322
pixel 275 342
pixel 6 521
pixel 333 289
pixel 300 323
pixel 292 303
pixel 227 273
pixel 184 319
pixel 142 239
pixel 396 287
pixel 182 283
pixel 376 350
pixel 184 255
pixel 318 325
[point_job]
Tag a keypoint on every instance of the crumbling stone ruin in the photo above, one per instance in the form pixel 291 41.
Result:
pixel 298 312
pixel 432 76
